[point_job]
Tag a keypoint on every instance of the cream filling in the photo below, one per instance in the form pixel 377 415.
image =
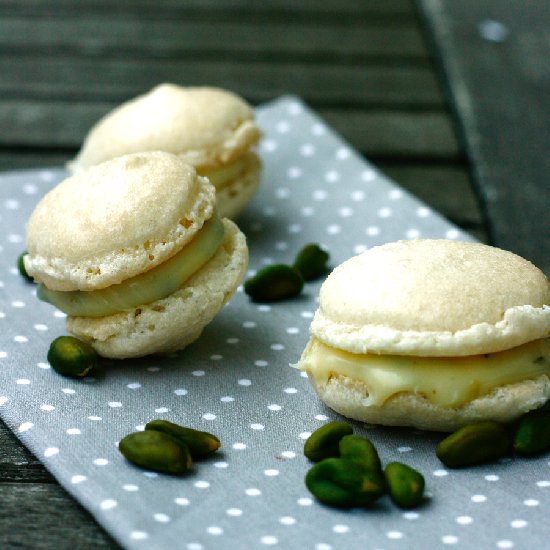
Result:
pixel 147 287
pixel 443 381
pixel 224 175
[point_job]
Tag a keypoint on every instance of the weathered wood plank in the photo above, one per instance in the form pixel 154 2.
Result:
pixel 184 38
pixel 376 133
pixel 499 76
pixel 144 8
pixel 37 516
pixel 118 79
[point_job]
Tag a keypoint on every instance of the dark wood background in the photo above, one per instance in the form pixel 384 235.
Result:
pixel 371 68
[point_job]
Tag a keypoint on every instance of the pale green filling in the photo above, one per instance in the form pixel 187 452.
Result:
pixel 444 381
pixel 152 285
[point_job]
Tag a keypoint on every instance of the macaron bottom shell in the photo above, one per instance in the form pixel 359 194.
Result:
pixel 174 322
pixel 347 397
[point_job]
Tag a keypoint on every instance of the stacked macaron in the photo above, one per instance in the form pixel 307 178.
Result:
pixel 433 334
pixel 210 128
pixel 134 252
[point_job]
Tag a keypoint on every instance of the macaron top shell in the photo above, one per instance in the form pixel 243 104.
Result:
pixel 116 220
pixel 204 126
pixel 433 298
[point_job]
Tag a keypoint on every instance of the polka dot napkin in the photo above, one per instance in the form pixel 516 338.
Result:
pixel 235 381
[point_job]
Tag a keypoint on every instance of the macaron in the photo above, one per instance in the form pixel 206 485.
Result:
pixel 133 251
pixel 433 334
pixel 210 128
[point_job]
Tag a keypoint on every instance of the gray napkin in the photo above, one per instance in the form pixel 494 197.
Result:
pixel 235 381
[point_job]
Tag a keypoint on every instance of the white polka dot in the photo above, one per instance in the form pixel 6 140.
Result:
pixel 423 212
pixel 51 451
pixel 345 211
pixel 182 501
pixel 94 418
pixel 294 228
pixel 234 512
pixel 307 211
pixel 543 483
pixel 411 515
pixel 269 540
pixel 180 391
pixel 340 528
pixel 518 523
pixel 249 324
pixel 282 127
pixel 412 233
pixel 198 373
pixel 531 502
pixel 440 473
pixel 394 535
pixel 20 339
pixel 478 498
pixel 43 365
pixel 318 130
pixel 307 150
pixel 108 504
pixel 334 229
pixel 244 382
pixel 464 520
pixel 161 518
pixel 343 154
pixel 4 354
pixel 294 172
pixel 385 212
pixel 282 193
pixel 332 176
pixel 25 427
pixel 395 194
pixel 40 327
pixel 271 473
pixel 202 484
pixel 492 477
pixel 47 408
pixel 78 479
pixel 505 544
pixel 74 431
pixel 221 464
pixel 269 145
pixel 449 539
pixel 277 347
pixel 287 520
pixel 134 386
pixel 151 475
pixel 139 535
pixel 257 426
pixel 3 400
pixel 305 501
pixel 227 399
pixel 214 530
pixel 100 461
pixel 322 417
pixel 404 449
pixel 23 381
pixel 323 546
pixel 59 314
pixel 493 31
pixel 372 230
pixel 368 175
pixel 304 435
pixel 452 234
pixel 130 488
pixel 209 416
pixel 239 446
pixel 288 454
pixel 261 363
pixel 319 195
pixel 290 390
pixel 253 492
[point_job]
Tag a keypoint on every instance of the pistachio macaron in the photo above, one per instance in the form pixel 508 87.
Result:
pixel 210 128
pixel 433 334
pixel 133 251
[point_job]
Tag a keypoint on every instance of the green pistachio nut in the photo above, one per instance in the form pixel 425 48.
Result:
pixel 344 483
pixel 200 444
pixel 355 447
pixel 324 441
pixel 405 484
pixel 474 444
pixel 532 434
pixel 311 261
pixel 21 266
pixel 70 356
pixel 156 451
pixel 273 283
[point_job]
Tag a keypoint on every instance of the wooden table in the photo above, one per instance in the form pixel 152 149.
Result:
pixel 365 67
